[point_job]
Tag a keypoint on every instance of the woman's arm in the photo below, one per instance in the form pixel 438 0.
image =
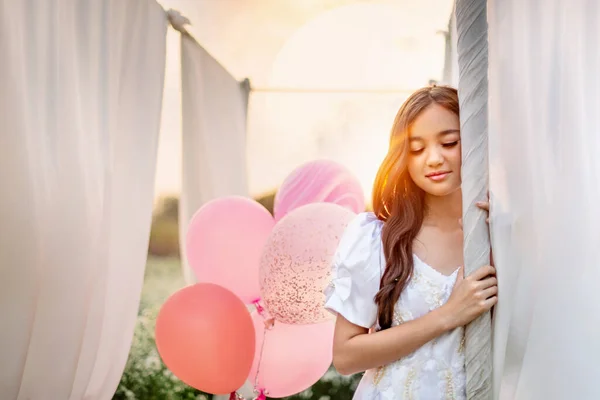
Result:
pixel 355 350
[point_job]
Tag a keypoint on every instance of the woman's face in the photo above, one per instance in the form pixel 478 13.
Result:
pixel 434 158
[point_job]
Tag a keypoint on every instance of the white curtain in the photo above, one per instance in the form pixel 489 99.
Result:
pixel 544 142
pixel 214 135
pixel 81 86
pixel 450 74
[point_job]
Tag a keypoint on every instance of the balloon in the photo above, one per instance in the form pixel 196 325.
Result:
pixel 205 336
pixel 320 181
pixel 295 266
pixel 224 243
pixel 294 357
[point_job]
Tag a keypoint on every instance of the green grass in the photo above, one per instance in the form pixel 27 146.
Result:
pixel 163 277
pixel 145 376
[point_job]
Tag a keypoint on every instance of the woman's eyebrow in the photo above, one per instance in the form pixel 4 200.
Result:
pixel 442 133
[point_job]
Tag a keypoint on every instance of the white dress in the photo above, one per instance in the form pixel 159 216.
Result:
pixel 433 372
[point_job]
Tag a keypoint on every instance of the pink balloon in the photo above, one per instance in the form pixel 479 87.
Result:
pixel 205 336
pixel 296 262
pixel 224 243
pixel 294 357
pixel 320 181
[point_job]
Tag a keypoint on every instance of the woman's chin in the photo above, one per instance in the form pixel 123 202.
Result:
pixel 441 190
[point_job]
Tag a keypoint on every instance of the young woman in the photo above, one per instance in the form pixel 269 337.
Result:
pixel 398 290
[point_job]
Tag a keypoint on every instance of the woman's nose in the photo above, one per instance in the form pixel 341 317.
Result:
pixel 434 158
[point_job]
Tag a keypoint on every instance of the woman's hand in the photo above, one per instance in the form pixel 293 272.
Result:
pixel 484 205
pixel 471 296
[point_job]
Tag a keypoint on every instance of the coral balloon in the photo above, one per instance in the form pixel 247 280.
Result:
pixel 320 181
pixel 296 263
pixel 206 337
pixel 294 357
pixel 224 243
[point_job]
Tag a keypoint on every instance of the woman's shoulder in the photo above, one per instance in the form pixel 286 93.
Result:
pixel 357 271
pixel 364 227
pixel 360 245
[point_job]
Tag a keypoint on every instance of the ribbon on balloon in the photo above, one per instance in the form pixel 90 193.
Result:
pixel 268 324
pixel 289 358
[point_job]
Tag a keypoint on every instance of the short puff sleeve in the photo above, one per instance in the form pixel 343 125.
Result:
pixel 356 272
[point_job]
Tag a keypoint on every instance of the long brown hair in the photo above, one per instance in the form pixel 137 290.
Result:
pixel 399 202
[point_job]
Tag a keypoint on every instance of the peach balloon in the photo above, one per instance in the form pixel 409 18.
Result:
pixel 206 337
pixel 294 357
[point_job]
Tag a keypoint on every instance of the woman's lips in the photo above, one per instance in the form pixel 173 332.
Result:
pixel 438 176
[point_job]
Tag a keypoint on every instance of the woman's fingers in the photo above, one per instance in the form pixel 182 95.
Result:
pixel 483 272
pixel 488 282
pixel 489 303
pixel 484 205
pixel 489 292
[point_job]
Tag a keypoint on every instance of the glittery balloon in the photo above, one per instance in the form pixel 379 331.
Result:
pixel 319 181
pixel 295 266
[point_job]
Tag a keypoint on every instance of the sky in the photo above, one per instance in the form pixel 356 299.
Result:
pixel 375 51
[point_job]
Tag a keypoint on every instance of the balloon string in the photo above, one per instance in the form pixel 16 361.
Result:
pixel 262 347
pixel 269 323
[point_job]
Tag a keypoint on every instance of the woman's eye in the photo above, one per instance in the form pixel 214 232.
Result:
pixel 451 144
pixel 416 151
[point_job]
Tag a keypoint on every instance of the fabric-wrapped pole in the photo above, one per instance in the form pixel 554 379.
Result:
pixel 471 22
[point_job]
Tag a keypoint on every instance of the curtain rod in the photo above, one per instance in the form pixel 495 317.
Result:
pixel 329 90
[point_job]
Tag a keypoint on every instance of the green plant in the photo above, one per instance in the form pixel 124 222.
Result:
pixel 145 376
pixel 267 201
pixel 164 233
pixel 332 386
